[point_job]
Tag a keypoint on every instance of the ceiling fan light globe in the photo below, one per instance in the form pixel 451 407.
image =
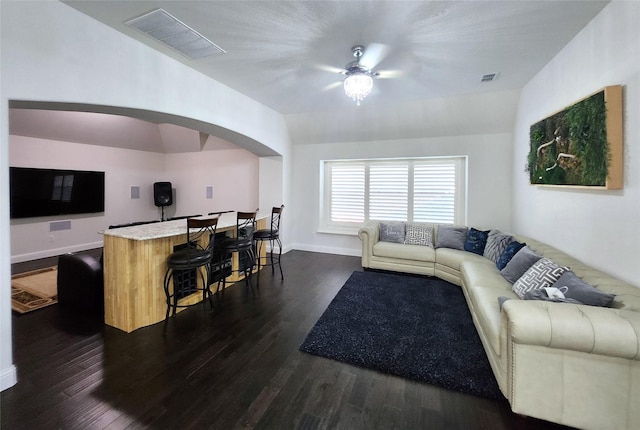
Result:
pixel 357 86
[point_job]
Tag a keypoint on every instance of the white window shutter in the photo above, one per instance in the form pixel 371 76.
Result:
pixel 388 191
pixel 347 193
pixel 434 192
pixel 413 190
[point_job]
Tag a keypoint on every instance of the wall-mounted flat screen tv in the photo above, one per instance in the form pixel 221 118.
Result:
pixel 47 192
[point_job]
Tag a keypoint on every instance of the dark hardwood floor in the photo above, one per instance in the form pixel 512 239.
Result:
pixel 238 367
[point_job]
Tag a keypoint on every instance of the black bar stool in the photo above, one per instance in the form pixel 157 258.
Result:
pixel 271 235
pixel 242 244
pixel 186 262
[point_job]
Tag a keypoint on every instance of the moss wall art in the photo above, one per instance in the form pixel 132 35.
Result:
pixel 581 145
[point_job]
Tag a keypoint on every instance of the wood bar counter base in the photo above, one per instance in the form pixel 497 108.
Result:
pixel 135 262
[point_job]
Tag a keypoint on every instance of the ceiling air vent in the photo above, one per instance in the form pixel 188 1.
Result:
pixel 488 77
pixel 167 29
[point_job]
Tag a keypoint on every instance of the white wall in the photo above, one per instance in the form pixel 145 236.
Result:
pixel 272 172
pixel 601 228
pixel 233 173
pixel 30 237
pixel 52 53
pixel 488 194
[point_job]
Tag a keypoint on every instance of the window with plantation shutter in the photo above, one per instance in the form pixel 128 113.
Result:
pixel 388 193
pixel 347 192
pixel 434 192
pixel 412 190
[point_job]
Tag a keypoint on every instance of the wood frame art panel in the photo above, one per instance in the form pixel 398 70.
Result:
pixel 580 146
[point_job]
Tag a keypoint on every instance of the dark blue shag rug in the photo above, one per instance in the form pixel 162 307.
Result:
pixel 415 327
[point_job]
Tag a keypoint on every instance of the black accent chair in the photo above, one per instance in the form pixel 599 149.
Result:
pixel 80 285
pixel 242 244
pixel 186 262
pixel 271 235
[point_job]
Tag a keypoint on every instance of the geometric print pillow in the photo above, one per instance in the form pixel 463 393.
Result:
pixel 544 273
pixel 419 234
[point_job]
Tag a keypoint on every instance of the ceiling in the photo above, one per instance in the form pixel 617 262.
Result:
pixel 287 56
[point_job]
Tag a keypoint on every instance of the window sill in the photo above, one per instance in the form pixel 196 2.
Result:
pixel 343 231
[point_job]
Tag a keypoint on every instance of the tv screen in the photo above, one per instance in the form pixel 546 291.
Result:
pixel 47 192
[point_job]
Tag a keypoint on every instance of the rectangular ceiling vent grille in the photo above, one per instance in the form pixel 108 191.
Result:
pixel 488 77
pixel 167 29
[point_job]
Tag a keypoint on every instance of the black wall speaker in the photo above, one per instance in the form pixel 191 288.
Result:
pixel 162 195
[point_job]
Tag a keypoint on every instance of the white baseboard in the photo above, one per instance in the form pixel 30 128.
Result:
pixel 54 252
pixel 8 377
pixel 327 250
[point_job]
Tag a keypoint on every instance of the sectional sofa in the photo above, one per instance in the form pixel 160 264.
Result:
pixel 554 359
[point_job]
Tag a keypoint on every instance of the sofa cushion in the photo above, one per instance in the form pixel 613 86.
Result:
pixel 575 288
pixel 451 237
pixel 519 264
pixel 418 234
pixel 483 286
pixel 506 256
pixel 496 244
pixel 404 252
pixel 453 258
pixel 476 241
pixel 544 273
pixel 392 232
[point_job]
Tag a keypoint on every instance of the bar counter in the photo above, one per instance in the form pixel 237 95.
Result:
pixel 135 265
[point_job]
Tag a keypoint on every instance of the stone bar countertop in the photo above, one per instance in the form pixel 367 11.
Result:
pixel 162 229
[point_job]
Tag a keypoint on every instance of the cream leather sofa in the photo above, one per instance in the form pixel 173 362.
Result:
pixel 571 364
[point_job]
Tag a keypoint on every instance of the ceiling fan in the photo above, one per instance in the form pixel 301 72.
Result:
pixel 359 72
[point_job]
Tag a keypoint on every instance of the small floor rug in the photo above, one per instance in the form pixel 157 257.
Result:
pixel 34 290
pixel 415 327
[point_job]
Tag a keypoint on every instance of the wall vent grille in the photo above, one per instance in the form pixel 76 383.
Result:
pixel 59 225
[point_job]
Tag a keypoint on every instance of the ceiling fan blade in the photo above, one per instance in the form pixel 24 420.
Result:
pixel 390 74
pixel 374 53
pixel 330 69
pixel 332 86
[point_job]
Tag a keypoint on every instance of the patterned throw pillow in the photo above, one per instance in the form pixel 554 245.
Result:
pixel 508 254
pixel 419 234
pixel 496 244
pixel 544 273
pixel 392 232
pixel 476 241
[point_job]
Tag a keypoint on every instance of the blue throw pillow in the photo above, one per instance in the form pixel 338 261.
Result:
pixel 508 254
pixel 476 241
